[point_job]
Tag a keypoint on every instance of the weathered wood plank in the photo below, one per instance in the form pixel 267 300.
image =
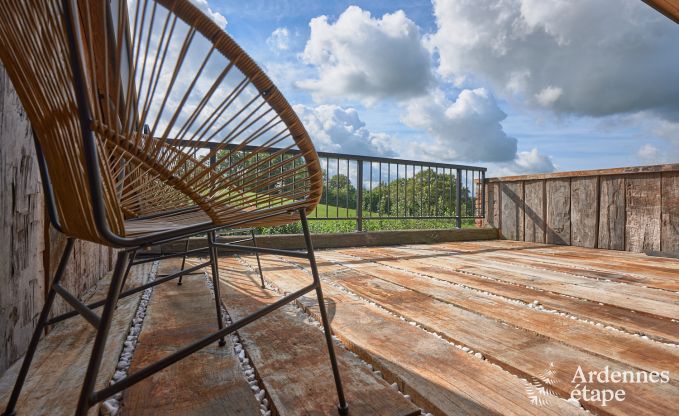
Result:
pixel 21 209
pixel 558 195
pixel 56 376
pixel 511 210
pixel 669 235
pixel 534 192
pixel 493 205
pixel 291 358
pixel 516 350
pixel 627 348
pixel 643 209
pixel 427 263
pixel 440 378
pixel 670 167
pixel 612 213
pixel 208 382
pixel 651 301
pixel 584 211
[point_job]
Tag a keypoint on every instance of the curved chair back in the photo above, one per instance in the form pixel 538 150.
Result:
pixel 144 108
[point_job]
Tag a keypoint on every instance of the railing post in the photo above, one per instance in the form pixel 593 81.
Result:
pixel 458 202
pixel 483 195
pixel 359 195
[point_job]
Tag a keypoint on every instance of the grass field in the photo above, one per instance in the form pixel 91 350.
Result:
pixel 349 225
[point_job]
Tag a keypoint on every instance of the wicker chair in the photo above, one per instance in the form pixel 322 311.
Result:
pixel 151 125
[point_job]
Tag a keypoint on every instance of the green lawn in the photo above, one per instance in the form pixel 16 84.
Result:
pixel 349 225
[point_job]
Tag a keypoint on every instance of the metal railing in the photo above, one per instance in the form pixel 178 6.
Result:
pixel 364 188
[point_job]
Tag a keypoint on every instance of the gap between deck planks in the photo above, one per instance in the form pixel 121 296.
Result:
pixel 432 264
pixel 208 382
pixel 56 375
pixel 637 269
pixel 624 348
pixel 653 302
pixel 291 357
pixel 440 377
pixel 519 352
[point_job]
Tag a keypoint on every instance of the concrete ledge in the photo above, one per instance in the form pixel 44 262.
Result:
pixel 337 240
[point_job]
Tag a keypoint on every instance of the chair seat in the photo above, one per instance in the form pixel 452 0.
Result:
pixel 196 216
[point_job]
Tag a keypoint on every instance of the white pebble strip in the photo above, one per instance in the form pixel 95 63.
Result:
pixel 304 315
pixel 246 367
pixel 111 406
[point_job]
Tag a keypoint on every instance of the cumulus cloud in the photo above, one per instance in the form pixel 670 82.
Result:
pixel 215 16
pixel 585 57
pixel 466 129
pixel 366 58
pixel 649 153
pixel 338 129
pixel 525 163
pixel 279 39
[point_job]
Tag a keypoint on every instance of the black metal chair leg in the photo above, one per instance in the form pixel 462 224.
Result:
pixel 86 394
pixel 214 263
pixel 343 407
pixel 259 264
pixel 186 249
pixel 129 267
pixel 10 409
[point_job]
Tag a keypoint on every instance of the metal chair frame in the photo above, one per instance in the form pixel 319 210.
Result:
pixel 126 258
pixel 124 262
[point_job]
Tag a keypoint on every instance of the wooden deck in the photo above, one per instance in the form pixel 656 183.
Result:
pixel 492 327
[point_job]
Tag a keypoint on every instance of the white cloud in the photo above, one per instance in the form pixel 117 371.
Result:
pixel 279 39
pixel 366 58
pixel 584 57
pixel 209 12
pixel 467 129
pixel 338 129
pixel 548 96
pixel 648 153
pixel 525 163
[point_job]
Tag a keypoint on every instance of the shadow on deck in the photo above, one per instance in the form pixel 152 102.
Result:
pixel 485 327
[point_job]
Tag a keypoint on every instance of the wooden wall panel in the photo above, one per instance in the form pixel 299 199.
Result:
pixel 669 234
pixel 612 213
pixel 642 214
pixel 22 228
pixel 534 192
pixel 511 210
pixel 558 200
pixel 493 205
pixel 30 250
pixel 584 211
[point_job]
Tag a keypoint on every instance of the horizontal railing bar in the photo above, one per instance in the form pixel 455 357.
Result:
pixel 196 346
pixel 80 308
pixel 343 156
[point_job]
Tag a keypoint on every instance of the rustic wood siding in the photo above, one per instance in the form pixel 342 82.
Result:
pixel 635 208
pixel 584 211
pixel 612 213
pixel 511 203
pixel 669 232
pixel 534 196
pixel 558 219
pixel 30 250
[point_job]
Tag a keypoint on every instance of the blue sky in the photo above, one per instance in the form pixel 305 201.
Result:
pixel 519 86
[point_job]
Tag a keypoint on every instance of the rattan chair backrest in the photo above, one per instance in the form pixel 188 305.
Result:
pixel 158 81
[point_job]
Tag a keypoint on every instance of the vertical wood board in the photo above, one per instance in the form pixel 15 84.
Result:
pixel 669 235
pixel 534 211
pixel 584 211
pixel 612 213
pixel 511 210
pixel 643 209
pixel 558 194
